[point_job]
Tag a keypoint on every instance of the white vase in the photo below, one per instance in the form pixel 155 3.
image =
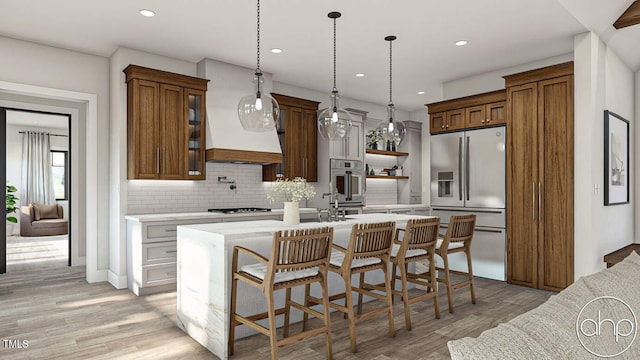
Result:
pixel 291 214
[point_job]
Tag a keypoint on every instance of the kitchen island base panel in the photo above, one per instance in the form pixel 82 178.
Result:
pixel 204 275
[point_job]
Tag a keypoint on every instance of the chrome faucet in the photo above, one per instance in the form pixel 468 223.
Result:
pixel 333 211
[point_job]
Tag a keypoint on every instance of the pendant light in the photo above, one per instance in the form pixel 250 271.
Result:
pixel 391 129
pixel 333 122
pixel 258 111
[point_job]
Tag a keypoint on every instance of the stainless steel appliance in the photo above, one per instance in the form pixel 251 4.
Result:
pixel 347 182
pixel 468 176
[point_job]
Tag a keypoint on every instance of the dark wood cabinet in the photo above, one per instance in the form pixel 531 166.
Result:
pixel 165 125
pixel 474 111
pixel 540 178
pixel 298 134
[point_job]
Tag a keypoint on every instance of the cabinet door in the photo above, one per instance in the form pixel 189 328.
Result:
pixel 456 119
pixel 355 142
pixel 294 143
pixel 143 130
pixel 522 185
pixel 555 236
pixel 496 113
pixel 195 133
pixel 476 115
pixel 437 122
pixel 310 136
pixel 172 133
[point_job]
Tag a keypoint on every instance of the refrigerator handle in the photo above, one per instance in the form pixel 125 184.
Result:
pixel 460 167
pixel 468 166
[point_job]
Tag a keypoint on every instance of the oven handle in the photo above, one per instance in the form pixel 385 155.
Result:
pixel 347 185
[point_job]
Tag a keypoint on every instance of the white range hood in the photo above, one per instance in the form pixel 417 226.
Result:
pixel 226 139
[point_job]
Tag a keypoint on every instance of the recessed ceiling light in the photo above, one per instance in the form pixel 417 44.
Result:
pixel 461 42
pixel 276 50
pixel 420 92
pixel 359 75
pixel 147 12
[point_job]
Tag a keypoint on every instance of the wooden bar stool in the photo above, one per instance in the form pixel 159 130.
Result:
pixel 298 257
pixel 418 244
pixel 457 239
pixel 368 250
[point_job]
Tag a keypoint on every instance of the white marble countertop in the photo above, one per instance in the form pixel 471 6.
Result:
pixel 231 230
pixel 395 206
pixel 210 215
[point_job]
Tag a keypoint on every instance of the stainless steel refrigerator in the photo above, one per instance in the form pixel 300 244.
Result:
pixel 468 176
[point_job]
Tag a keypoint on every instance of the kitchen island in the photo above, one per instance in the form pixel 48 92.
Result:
pixel 204 273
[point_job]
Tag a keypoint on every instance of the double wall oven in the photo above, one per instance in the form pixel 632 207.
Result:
pixel 348 182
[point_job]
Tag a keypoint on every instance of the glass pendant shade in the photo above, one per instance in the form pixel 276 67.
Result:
pixel 391 129
pixel 333 122
pixel 258 111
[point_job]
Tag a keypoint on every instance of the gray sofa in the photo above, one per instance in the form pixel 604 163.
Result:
pixel 42 220
pixel 565 326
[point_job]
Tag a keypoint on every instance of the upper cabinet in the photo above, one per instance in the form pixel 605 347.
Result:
pixel 165 125
pixel 298 134
pixel 475 111
pixel 352 147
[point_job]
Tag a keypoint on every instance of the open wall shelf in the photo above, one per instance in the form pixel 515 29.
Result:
pixel 385 152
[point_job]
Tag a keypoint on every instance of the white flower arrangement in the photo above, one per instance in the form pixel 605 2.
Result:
pixel 291 190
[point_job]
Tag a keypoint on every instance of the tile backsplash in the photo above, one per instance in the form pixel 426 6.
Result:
pixel 166 196
pixel 179 196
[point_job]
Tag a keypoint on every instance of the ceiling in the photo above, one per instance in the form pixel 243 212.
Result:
pixel 33 119
pixel 500 33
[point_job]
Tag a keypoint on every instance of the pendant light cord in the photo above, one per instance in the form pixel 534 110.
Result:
pixel 390 72
pixel 258 21
pixel 334 56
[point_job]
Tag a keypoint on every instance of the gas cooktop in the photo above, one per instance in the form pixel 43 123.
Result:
pixel 240 210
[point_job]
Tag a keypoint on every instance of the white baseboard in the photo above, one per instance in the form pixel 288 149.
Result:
pixel 118 281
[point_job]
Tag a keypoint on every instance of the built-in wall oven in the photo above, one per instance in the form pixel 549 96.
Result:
pixel 348 182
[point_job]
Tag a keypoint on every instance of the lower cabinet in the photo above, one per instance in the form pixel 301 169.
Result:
pixel 152 255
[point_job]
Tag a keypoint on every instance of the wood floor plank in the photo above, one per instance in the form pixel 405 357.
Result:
pixel 61 316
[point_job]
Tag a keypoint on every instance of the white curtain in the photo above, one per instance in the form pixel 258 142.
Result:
pixel 37 183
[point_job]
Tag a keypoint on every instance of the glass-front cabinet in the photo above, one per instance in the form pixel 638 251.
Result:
pixel 196 134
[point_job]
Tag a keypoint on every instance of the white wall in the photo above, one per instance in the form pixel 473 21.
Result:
pixel 50 72
pixel 14 160
pixel 602 82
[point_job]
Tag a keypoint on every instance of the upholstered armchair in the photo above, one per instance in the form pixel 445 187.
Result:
pixel 42 220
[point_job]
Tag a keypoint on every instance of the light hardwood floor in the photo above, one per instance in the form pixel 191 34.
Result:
pixel 62 317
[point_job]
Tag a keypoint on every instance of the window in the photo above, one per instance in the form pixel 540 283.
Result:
pixel 60 174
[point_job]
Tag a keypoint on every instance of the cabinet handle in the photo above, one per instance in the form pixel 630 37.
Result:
pixel 533 200
pixel 158 159
pixel 171 230
pixel 447 126
pixel 171 251
pixel 539 199
pixel 482 121
pixel 442 126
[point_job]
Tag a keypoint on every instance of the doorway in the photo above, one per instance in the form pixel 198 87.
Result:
pixel 42 246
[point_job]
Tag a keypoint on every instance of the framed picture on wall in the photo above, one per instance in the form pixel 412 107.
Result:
pixel 616 159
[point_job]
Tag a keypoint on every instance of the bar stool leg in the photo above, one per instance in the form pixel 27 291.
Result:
pixel 387 285
pixel 327 315
pixel 471 287
pixel 273 339
pixel 350 314
pixel 447 277
pixel 287 311
pixel 307 303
